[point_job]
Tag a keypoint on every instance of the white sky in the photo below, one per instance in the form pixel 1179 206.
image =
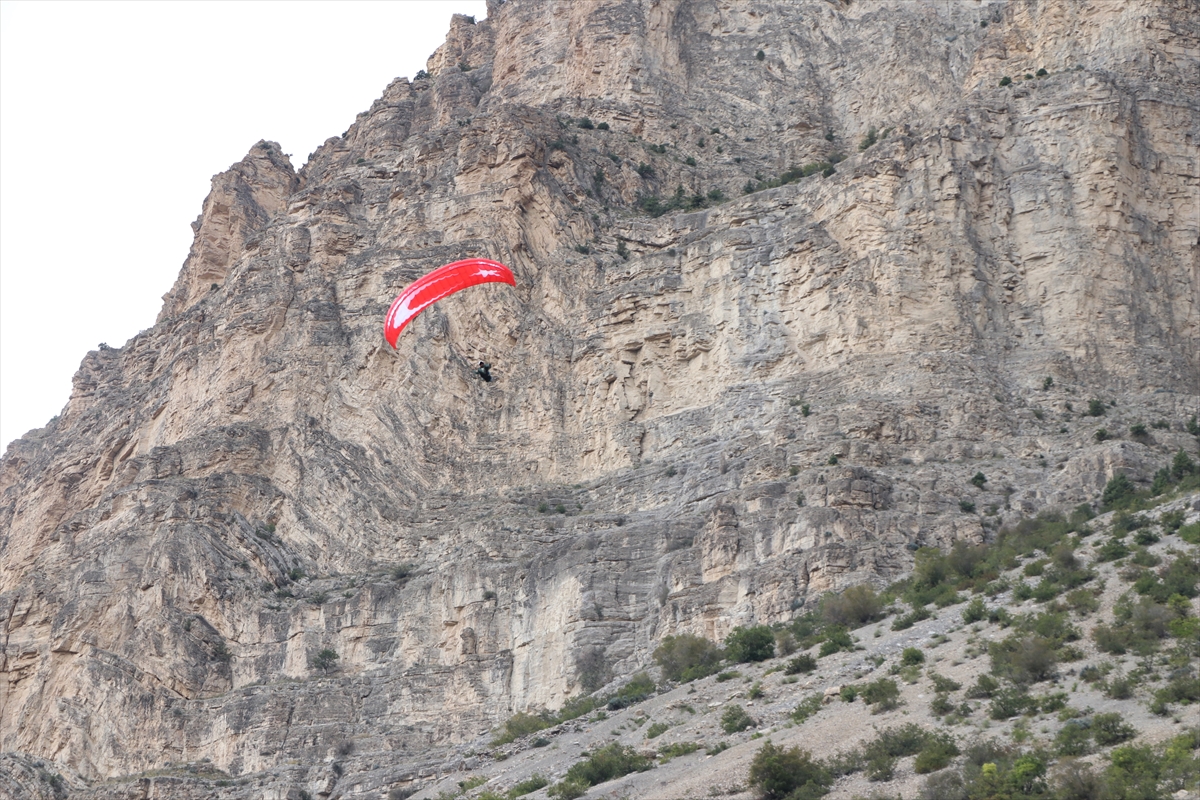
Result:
pixel 114 116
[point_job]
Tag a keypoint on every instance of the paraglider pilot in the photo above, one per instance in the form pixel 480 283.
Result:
pixel 484 371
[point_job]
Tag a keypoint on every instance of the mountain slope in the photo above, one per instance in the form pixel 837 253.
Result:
pixel 702 419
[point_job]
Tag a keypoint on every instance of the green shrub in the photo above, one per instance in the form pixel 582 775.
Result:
pixel 745 645
pixel 1050 703
pixel 1180 577
pixel 576 707
pixel 852 608
pixel 1171 520
pixel 941 704
pixel 979 479
pixel 687 657
pixel 719 747
pixel 675 750
pixel 905 740
pixel 880 768
pixel 1109 729
pixel 944 684
pixel 836 638
pixel 1074 738
pixel 848 693
pixel 1111 550
pixel 1132 772
pixel 1124 522
pixel 1010 703
pixel 913 617
pixel 1119 688
pixel 1138 626
pixel 976 611
pixel 735 719
pixel 1024 659
pixel 806 708
pixel 608 763
pixel 530 784
pixel 884 694
pixel 521 724
pixel 567 790
pixel 1182 688
pixel 1118 492
pixel 785 642
pixel 1182 465
pixel 936 753
pixel 793 773
pixel 985 686
pixel 1005 81
pixel 639 687
pixel 1082 601
pixel 911 656
pixel 802 663
pixel 325 660
pixel 657 729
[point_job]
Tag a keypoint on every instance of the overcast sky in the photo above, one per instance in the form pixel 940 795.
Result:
pixel 113 119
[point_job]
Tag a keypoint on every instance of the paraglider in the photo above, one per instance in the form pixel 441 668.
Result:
pixel 440 283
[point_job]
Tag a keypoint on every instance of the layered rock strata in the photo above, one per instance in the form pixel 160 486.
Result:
pixel 701 419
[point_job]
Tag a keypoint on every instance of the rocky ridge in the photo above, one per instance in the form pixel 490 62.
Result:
pixel 702 419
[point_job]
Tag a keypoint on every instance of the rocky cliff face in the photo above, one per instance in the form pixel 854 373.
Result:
pixel 701 419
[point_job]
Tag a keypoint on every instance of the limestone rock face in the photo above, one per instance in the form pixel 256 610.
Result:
pixel 242 202
pixel 701 419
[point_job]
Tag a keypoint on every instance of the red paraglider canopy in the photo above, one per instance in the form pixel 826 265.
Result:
pixel 442 282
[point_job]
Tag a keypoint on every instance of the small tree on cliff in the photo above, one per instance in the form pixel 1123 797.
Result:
pixel 324 660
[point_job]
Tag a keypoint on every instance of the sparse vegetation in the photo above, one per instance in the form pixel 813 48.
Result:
pixel 736 719
pixel 745 645
pixel 825 168
pixel 884 694
pixel 606 764
pixel 325 660
pixel 793 773
pixel 530 784
pixel 802 663
pixel 657 729
pixel 687 657
pixel 852 608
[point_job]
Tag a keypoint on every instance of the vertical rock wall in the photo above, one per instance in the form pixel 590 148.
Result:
pixel 701 419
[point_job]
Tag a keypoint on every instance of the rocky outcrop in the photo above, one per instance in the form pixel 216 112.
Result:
pixel 243 201
pixel 701 419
